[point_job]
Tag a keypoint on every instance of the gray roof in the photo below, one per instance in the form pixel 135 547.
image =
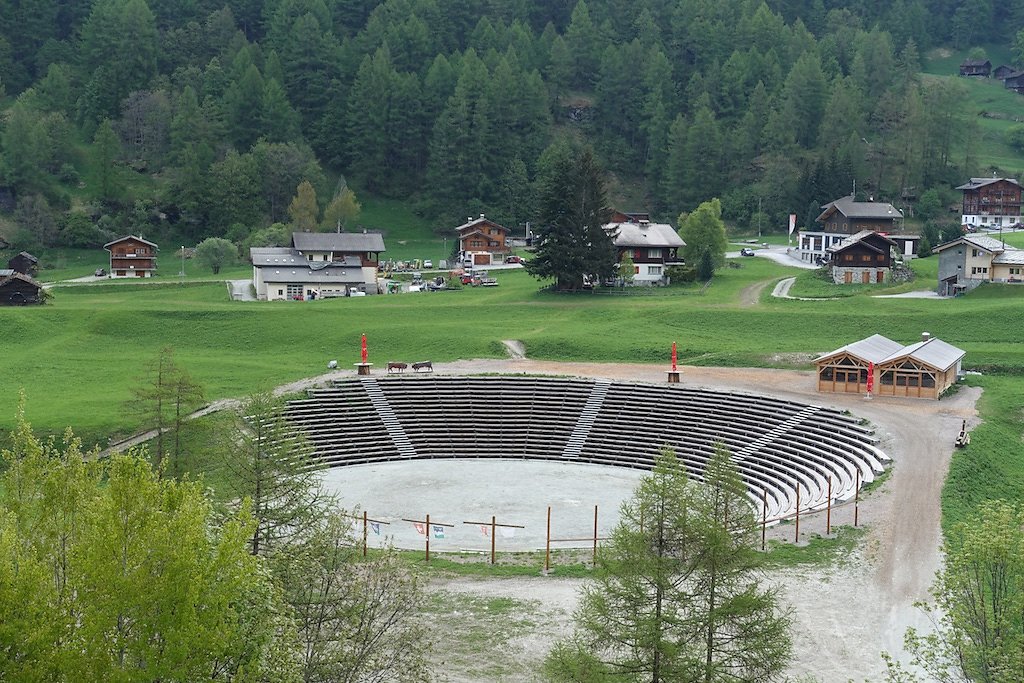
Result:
pixel 352 242
pixel 874 349
pixel 644 234
pixel 975 183
pixel 859 237
pixel 932 352
pixel 4 272
pixel 1010 257
pixel 852 209
pixel 980 241
pixel 286 257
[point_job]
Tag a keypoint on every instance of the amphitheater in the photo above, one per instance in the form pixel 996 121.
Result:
pixel 790 453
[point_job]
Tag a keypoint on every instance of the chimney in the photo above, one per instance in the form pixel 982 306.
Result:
pixel 481 215
pixel 925 336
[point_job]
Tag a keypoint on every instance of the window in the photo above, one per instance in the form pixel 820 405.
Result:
pixel 975 253
pixel 1014 271
pixel 654 253
pixel 880 257
pixel 476 243
pixel 847 257
pixel 654 270
pixel 280 292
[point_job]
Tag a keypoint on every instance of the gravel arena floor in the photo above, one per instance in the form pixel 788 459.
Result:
pixel 844 615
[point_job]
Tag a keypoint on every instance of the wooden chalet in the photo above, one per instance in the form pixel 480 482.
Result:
pixel 132 256
pixel 24 263
pixel 976 68
pixel 862 258
pixel 991 202
pixel 921 370
pixel 18 289
pixel 482 242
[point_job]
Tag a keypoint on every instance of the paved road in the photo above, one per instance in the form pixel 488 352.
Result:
pixel 241 290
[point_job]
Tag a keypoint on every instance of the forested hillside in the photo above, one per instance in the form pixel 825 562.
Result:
pixel 198 118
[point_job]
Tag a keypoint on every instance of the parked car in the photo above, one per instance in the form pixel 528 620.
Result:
pixel 428 264
pixel 513 259
pixel 746 251
pixel 100 272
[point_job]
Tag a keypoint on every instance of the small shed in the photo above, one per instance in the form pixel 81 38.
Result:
pixel 18 289
pixel 1002 71
pixel 978 68
pixel 845 370
pixel 24 263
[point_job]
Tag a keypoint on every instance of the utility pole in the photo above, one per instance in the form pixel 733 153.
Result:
pixel 758 216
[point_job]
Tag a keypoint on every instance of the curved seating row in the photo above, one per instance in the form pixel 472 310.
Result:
pixel 779 446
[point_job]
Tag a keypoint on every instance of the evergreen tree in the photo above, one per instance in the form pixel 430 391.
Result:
pixel 106 151
pixel 269 467
pixel 571 212
pixel 676 594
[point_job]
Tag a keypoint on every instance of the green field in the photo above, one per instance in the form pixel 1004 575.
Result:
pixel 989 105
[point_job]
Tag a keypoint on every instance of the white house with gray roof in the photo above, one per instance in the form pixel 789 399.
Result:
pixel 317 266
pixel 967 261
pixel 652 246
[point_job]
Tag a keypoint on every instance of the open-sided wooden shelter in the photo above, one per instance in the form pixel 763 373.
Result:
pixel 921 370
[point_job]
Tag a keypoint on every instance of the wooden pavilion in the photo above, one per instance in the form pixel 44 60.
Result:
pixel 921 370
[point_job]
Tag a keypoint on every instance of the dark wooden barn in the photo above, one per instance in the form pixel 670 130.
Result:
pixel 18 289
pixel 24 263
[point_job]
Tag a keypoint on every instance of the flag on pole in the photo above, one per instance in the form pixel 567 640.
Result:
pixel 376 528
pixel 507 531
pixel 485 529
pixel 438 531
pixel 792 223
pixel 421 529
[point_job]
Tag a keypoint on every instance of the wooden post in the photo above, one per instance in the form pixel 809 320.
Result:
pixel 856 500
pixel 364 533
pixel 796 538
pixel 547 545
pixel 594 561
pixel 427 528
pixel 494 525
pixel 828 512
pixel 764 519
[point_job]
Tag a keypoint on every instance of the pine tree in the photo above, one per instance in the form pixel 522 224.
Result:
pixel 573 245
pixel 676 594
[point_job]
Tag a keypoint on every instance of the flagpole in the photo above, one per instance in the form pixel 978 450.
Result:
pixel 427 534
pixel 494 524
pixel 595 537
pixel 364 533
